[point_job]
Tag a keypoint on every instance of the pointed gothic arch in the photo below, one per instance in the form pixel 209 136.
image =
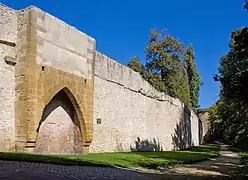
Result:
pixel 73 101
pixel 62 111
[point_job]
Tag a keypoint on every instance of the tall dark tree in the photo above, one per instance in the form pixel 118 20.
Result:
pixel 246 4
pixel 193 76
pixel 233 76
pixel 233 71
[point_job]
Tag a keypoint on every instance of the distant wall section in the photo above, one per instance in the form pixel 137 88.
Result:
pixel 206 126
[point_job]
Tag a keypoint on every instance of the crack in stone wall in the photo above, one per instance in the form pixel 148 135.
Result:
pixel 42 55
pixel 139 91
pixel 8 43
pixel 132 111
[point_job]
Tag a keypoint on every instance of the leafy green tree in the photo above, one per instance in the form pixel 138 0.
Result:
pixel 135 65
pixel 193 76
pixel 170 68
pixel 233 76
pixel 233 71
pixel 152 78
pixel 215 120
pixel 232 108
pixel 164 58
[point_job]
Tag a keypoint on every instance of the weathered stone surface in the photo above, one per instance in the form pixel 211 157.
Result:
pixel 42 56
pixel 8 35
pixel 59 129
pixel 206 126
pixel 62 46
pixel 132 112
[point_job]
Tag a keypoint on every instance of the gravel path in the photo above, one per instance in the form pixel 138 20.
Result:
pixel 218 168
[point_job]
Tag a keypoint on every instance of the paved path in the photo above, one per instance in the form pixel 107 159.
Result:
pixel 221 167
pixel 14 170
pixel 218 168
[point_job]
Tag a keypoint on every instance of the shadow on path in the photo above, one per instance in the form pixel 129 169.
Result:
pixel 216 168
pixel 221 167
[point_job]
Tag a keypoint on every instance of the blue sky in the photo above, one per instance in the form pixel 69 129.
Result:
pixel 121 28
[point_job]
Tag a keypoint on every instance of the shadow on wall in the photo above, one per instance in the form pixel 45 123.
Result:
pixel 182 137
pixel 200 128
pixel 146 145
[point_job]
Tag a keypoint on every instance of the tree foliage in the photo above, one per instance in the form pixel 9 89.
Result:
pixel 233 71
pixel 152 78
pixel 170 68
pixel 233 76
pixel 164 57
pixel 193 76
pixel 135 65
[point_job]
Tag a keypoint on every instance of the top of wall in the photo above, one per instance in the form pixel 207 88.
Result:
pixel 58 44
pixel 8 24
pixel 62 46
pixel 203 110
pixel 115 72
pixel 13 11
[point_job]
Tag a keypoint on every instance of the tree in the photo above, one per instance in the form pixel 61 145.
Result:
pixel 193 76
pixel 135 65
pixel 170 68
pixel 215 120
pixel 152 78
pixel 164 58
pixel 233 71
pixel 233 76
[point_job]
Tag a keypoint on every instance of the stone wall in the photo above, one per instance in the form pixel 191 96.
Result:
pixel 104 106
pixel 59 130
pixel 196 128
pixel 206 126
pixel 62 46
pixel 40 56
pixel 129 114
pixel 8 39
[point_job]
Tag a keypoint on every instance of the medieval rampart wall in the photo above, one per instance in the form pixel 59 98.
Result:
pixel 116 109
pixel 130 114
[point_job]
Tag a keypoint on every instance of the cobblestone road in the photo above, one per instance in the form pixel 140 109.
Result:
pixel 13 170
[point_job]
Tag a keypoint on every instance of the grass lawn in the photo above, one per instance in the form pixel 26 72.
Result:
pixel 123 159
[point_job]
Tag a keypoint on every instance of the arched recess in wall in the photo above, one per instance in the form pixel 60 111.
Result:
pixel 61 127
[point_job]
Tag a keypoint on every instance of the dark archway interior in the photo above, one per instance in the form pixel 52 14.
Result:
pixel 59 128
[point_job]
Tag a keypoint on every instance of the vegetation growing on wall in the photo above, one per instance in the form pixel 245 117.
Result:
pixel 170 67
